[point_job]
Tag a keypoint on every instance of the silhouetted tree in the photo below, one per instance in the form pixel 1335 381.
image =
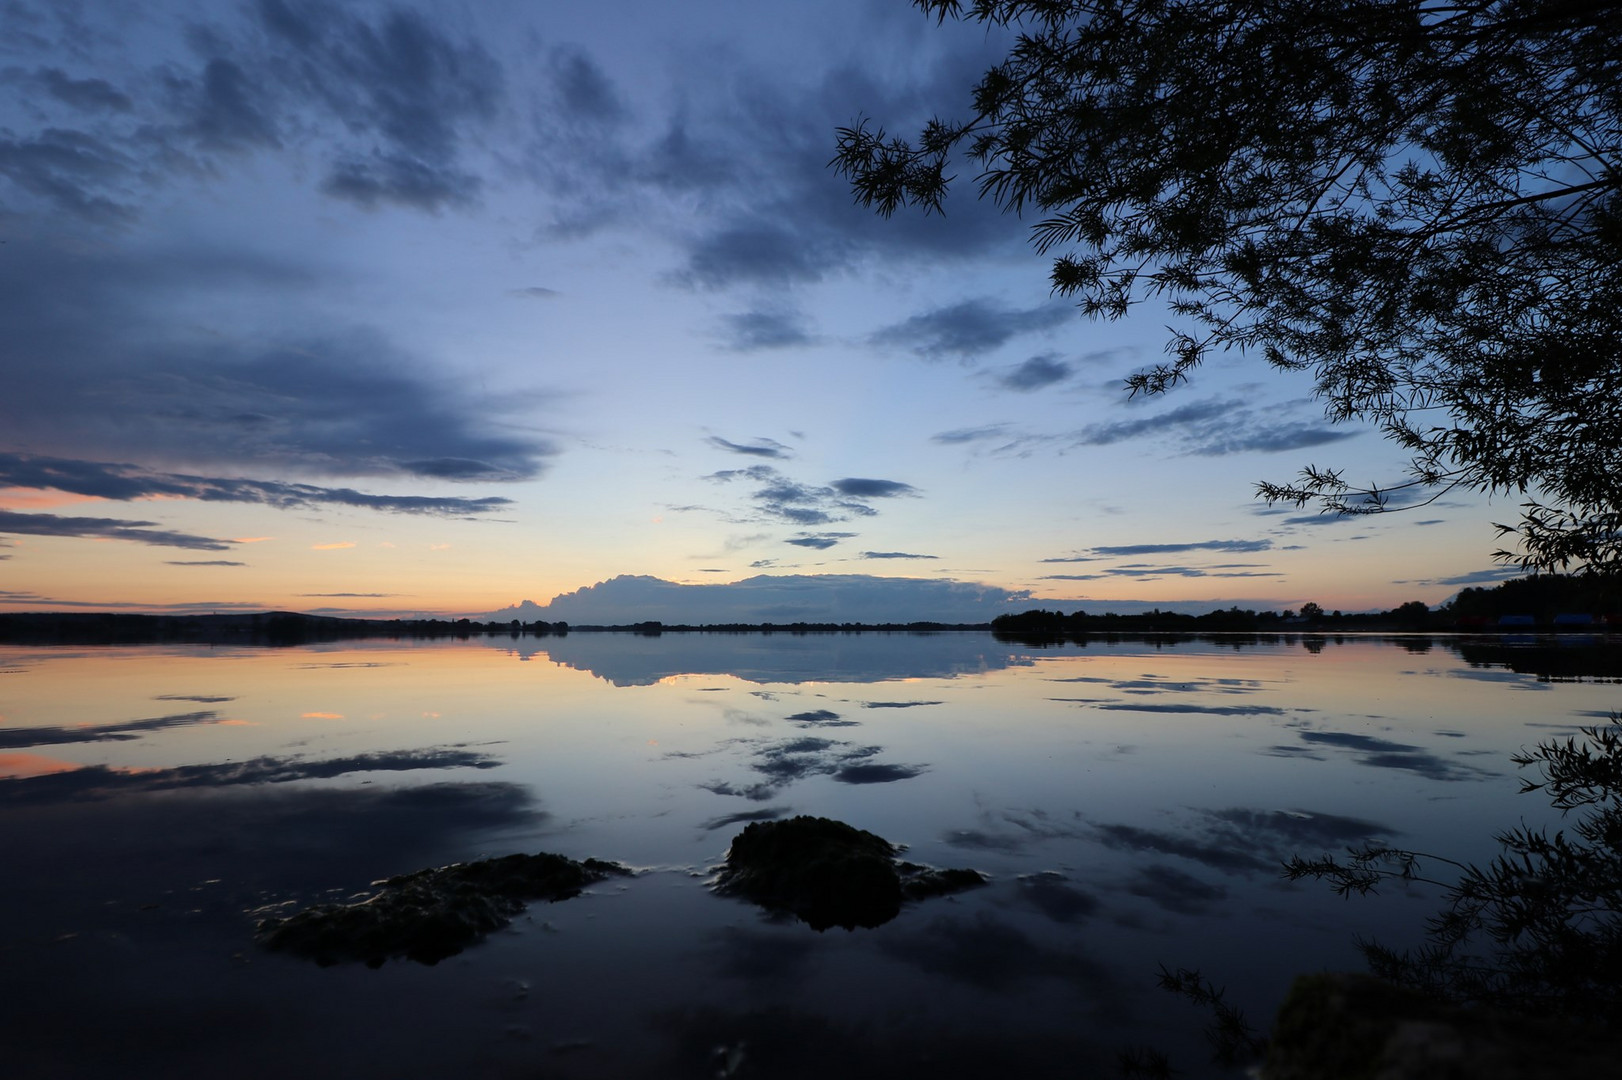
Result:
pixel 1413 613
pixel 1415 200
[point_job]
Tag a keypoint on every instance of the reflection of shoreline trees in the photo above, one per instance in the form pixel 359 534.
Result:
pixel 1533 937
pixel 1550 906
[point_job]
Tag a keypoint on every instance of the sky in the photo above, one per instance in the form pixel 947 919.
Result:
pixel 405 310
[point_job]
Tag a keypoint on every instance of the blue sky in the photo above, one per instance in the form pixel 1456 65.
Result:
pixel 428 309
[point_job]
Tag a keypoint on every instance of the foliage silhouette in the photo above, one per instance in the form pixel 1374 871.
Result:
pixel 1414 201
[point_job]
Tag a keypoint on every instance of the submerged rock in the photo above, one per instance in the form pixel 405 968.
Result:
pixel 432 914
pixel 829 873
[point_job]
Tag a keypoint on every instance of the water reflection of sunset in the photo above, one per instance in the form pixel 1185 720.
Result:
pixel 1147 788
pixel 21 765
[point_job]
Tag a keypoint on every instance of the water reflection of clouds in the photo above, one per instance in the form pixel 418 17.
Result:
pixel 1173 890
pixel 821 718
pixel 986 952
pixel 1198 710
pixel 1238 841
pixel 785 762
pixel 1152 684
pixel 898 704
pixel 336 665
pixel 1383 754
pixel 92 782
pixel 17 738
pixel 1052 894
pixel 1219 854
pixel 743 818
pixel 761 955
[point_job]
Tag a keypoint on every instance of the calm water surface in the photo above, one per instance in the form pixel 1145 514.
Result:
pixel 1130 800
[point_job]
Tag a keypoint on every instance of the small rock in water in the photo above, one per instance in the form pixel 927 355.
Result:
pixel 829 873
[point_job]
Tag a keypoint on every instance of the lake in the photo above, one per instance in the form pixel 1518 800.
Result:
pixel 1130 801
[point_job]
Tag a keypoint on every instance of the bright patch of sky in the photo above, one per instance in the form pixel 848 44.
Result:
pixel 432 309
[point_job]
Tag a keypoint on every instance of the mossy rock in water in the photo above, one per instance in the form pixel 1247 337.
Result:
pixel 432 914
pixel 829 873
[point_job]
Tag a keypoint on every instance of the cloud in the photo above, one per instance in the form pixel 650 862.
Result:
pixel 1162 549
pixel 388 103
pixel 399 83
pixel 860 488
pixel 783 499
pixel 832 598
pixel 203 562
pixel 101 366
pixel 752 331
pixel 124 482
pixel 755 147
pixel 582 89
pixel 87 95
pixel 1491 576
pixel 895 555
pixel 535 292
pixel 1036 373
pixel 970 435
pixel 970 328
pixel 395 178
pixel 1213 428
pixel 224 113
pixel 1151 570
pixel 762 447
pixel 819 541
pixel 141 532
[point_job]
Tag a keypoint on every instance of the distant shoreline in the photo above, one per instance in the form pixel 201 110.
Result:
pixel 1036 628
